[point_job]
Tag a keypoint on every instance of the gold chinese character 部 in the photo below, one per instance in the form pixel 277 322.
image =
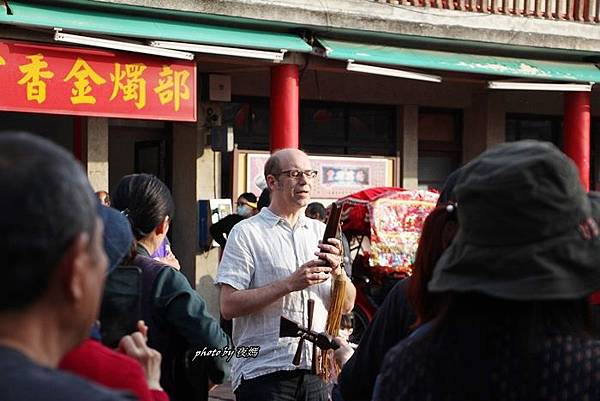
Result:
pixel 172 86
pixel 129 80
pixel 81 71
pixel 33 75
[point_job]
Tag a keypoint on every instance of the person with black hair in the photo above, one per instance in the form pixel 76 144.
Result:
pixel 175 313
pixel 316 210
pixel 264 199
pixel 134 367
pixel 518 274
pixel 53 270
pixel 245 207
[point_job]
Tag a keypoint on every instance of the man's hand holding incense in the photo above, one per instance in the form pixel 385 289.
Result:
pixel 331 253
pixel 311 273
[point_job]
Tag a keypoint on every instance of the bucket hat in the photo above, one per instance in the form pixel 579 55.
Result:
pixel 117 237
pixel 520 206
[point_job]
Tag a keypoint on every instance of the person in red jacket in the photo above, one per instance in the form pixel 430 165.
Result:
pixel 120 369
pixel 134 366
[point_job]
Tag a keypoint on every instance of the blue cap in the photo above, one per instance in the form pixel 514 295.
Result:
pixel 117 235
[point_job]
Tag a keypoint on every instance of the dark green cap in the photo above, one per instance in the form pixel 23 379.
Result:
pixel 520 205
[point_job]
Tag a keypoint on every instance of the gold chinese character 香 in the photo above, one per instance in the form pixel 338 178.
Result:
pixel 33 75
pixel 81 71
pixel 129 81
pixel 172 86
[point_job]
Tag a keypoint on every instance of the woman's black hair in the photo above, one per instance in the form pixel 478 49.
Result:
pixel 145 200
pixel 265 198
pixel 249 196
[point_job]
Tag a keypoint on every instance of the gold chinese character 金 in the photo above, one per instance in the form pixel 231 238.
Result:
pixel 33 75
pixel 129 81
pixel 82 73
pixel 172 86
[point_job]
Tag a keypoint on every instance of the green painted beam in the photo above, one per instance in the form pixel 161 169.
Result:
pixel 460 62
pixel 120 24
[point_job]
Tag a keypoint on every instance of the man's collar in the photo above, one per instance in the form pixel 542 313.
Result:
pixel 272 219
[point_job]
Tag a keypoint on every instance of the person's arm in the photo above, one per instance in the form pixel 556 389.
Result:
pixel 185 311
pixel 236 303
pixel 217 232
pixel 350 296
pixel 135 345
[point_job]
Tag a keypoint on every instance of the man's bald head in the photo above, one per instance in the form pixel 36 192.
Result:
pixel 274 164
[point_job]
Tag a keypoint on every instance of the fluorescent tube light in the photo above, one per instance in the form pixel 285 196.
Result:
pixel 391 72
pixel 115 44
pixel 221 50
pixel 533 86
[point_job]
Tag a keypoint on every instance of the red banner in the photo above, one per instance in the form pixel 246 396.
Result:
pixel 63 80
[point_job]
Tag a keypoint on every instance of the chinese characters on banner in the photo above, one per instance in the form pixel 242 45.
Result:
pixel 60 80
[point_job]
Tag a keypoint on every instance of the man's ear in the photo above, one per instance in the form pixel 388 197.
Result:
pixel 271 182
pixel 73 267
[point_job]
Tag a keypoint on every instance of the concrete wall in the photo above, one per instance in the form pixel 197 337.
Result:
pixel 361 88
pixel 195 177
pixel 484 123
pixel 411 24
pixel 97 152
pixel 408 125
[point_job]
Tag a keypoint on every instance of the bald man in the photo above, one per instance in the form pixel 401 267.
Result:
pixel 272 264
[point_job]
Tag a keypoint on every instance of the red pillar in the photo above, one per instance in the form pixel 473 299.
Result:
pixel 285 98
pixel 577 132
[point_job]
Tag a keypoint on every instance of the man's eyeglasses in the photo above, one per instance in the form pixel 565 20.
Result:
pixel 297 173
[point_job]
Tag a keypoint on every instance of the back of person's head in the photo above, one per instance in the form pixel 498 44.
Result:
pixel 46 203
pixel 447 192
pixel 249 196
pixel 145 200
pixel 117 237
pixel 316 210
pixel 264 199
pixel 518 272
pixel 437 234
pixel 521 207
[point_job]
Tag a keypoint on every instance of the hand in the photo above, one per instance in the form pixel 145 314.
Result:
pixel 311 273
pixel 331 254
pixel 135 346
pixel 344 352
pixel 170 260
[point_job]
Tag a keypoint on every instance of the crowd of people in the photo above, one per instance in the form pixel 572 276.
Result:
pixel 93 305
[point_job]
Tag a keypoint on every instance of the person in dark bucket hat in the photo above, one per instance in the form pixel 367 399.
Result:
pixel 117 236
pixel 517 277
pixel 520 209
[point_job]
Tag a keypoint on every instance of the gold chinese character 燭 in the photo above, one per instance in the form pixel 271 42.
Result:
pixel 172 86
pixel 129 80
pixel 34 72
pixel 81 71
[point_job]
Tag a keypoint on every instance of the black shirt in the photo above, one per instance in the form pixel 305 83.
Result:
pixel 558 367
pixel 23 380
pixel 223 227
pixel 390 325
